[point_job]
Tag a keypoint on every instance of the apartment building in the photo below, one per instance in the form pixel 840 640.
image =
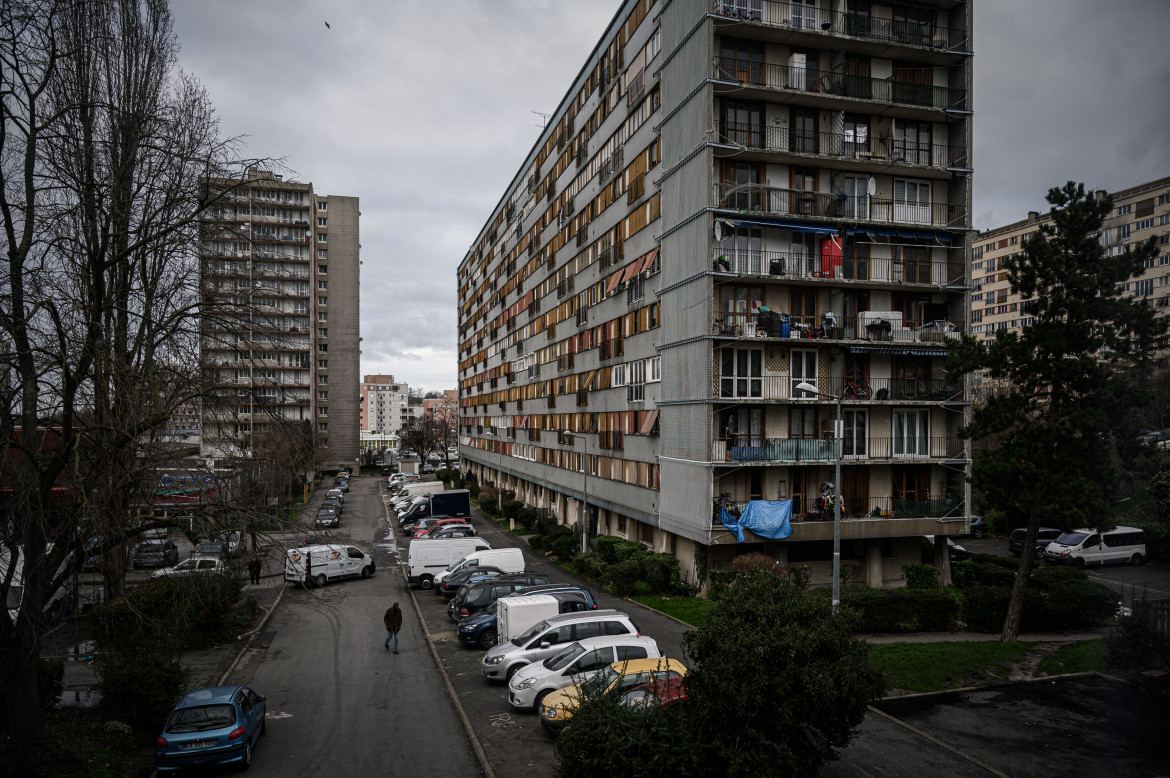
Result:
pixel 385 409
pixel 272 255
pixel 735 198
pixel 1139 212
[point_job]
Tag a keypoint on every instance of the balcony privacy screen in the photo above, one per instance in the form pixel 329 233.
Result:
pixel 767 518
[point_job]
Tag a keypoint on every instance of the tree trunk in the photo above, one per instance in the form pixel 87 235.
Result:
pixel 21 649
pixel 1011 623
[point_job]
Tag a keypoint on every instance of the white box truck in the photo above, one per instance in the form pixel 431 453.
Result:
pixel 516 614
pixel 427 558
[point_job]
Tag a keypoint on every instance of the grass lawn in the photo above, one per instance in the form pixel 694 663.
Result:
pixel 690 610
pixel 930 667
pixel 1081 657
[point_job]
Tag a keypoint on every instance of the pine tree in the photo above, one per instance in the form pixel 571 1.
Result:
pixel 1049 440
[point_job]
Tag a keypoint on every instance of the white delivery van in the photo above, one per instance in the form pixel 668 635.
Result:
pixel 510 560
pixel 323 563
pixel 1089 547
pixel 516 614
pixel 419 488
pixel 427 558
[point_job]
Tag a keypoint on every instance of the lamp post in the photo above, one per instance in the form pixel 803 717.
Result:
pixel 584 490
pixel 838 435
pixel 499 479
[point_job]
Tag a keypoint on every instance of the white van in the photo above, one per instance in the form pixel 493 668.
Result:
pixel 324 563
pixel 1089 547
pixel 418 488
pixel 510 560
pixel 427 558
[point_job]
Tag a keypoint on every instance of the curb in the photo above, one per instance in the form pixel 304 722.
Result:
pixel 476 746
pixel 248 644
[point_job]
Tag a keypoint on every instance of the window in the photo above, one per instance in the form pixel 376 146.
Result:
pixel 856 135
pixel 322 395
pixel 322 347
pixel 619 376
pixel 803 370
pixel 804 136
pixel 322 317
pixel 1124 210
pixel 653 369
pixel 322 253
pixel 322 300
pixel 323 426
pixel 323 364
pixel 743 123
pixel 322 269
pixel 741 372
pixel 322 333
pixel 637 380
pixel 323 285
pixel 322 237
pixel 1144 288
pixel 635 289
pixel 802 422
pixel 912 201
pixel 1163 199
pixel 911 433
pixel 741 61
pixel 322 205
pixel 655 44
pixel 322 222
pixel 1124 231
pixel 912 143
pixel 1144 224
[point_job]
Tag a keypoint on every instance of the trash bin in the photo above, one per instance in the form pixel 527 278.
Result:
pixel 785 329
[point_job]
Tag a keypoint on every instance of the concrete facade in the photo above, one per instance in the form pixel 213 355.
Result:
pixel 714 163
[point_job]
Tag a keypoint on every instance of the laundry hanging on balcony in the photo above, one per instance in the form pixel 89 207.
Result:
pixel 770 519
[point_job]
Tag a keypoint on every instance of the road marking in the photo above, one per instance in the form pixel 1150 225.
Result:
pixel 277 715
pixel 502 720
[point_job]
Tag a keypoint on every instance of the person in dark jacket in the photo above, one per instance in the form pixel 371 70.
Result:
pixel 393 622
pixel 254 566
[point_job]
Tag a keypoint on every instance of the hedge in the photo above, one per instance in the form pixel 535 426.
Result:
pixel 899 610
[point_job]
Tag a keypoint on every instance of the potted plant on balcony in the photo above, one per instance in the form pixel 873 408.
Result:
pixel 721 265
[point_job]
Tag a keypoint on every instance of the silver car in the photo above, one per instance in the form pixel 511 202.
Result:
pixel 547 637
pixel 575 664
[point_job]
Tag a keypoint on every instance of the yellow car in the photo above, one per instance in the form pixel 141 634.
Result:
pixel 556 710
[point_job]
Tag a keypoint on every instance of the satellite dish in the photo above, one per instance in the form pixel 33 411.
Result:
pixel 872 188
pixel 723 229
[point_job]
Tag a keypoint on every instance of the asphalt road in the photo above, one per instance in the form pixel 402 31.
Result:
pixel 339 703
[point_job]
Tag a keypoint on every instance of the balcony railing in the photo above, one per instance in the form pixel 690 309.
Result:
pixel 854 507
pixel 866 327
pixel 747 448
pixel 837 84
pixel 759 198
pixel 838 145
pixel 870 26
pixel 936 271
pixel 783 387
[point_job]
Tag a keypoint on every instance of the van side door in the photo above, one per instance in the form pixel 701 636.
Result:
pixel 1092 550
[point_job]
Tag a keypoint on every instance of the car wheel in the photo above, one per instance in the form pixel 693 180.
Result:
pixel 1136 560
pixel 1079 563
pixel 512 671
pixel 487 639
pixel 367 571
pixel 1039 553
pixel 320 579
pixel 978 533
pixel 539 699
pixel 244 765
pixel 427 582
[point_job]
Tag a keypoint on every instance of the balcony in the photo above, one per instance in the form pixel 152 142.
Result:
pixel 744 448
pixel 774 201
pixel 856 508
pixel 870 326
pixel 871 26
pixel 834 85
pixel 873 390
pixel 935 272
pixel 862 148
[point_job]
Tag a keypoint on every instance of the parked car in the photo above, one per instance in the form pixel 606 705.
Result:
pixel 1044 536
pixel 483 629
pixel 548 636
pixel 450 585
pixel 574 664
pixel 1123 545
pixel 455 531
pixel 156 553
pixel 190 567
pixel 343 486
pixel 211 727
pixel 233 543
pixel 431 523
pixel 328 516
pixel 556 711
pixel 332 502
pixel 957 552
pixel 474 597
pixel 656 693
pixel 978 527
pixel 428 468
pixel 335 492
pixel 209 549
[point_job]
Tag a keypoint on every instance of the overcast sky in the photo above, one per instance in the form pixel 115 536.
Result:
pixel 424 110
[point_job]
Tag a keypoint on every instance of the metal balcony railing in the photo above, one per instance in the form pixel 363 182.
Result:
pixel 865 507
pixel 759 198
pixel 872 390
pixel 935 271
pixel 865 327
pixel 877 24
pixel 799 78
pixel 838 145
pixel 748 448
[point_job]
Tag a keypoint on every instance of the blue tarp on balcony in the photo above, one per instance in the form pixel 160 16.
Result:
pixel 767 518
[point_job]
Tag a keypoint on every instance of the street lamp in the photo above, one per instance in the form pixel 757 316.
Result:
pixel 499 478
pixel 839 434
pixel 584 490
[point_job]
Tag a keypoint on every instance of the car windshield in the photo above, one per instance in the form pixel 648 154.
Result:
pixel 530 633
pixel 207 548
pixel 492 608
pixel 202 718
pixel 1071 538
pixel 564 656
pixel 604 678
pixel 152 546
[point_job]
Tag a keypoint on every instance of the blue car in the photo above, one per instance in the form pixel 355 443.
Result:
pixel 211 727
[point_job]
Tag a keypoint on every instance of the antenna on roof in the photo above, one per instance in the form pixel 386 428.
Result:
pixel 544 117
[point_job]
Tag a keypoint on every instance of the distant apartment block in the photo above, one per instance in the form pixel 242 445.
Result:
pixel 385 408
pixel 735 198
pixel 273 255
pixel 1139 212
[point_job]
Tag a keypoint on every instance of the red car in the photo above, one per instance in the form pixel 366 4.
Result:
pixel 423 532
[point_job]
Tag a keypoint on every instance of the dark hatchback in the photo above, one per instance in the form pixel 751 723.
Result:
pixel 1016 540
pixel 472 598
pixel 328 517
pixel 449 586
pixel 156 553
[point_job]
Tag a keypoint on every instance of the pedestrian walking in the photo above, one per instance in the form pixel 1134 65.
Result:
pixel 393 622
pixel 254 566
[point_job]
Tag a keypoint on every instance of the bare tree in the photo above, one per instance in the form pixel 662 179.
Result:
pixel 103 144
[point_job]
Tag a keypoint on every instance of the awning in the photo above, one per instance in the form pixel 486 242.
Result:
pixel 589 379
pixel 647 261
pixel 613 281
pixel 648 423
pixel 875 232
pixel 899 349
pixel 794 226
